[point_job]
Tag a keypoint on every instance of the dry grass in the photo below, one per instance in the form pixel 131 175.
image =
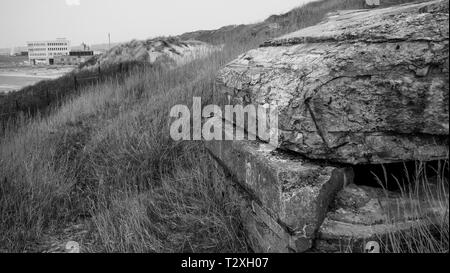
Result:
pixel 425 197
pixel 107 155
pixel 180 215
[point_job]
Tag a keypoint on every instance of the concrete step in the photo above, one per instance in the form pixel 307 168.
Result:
pixel 284 199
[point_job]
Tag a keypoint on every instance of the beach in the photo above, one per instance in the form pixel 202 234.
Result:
pixel 13 79
pixel 16 73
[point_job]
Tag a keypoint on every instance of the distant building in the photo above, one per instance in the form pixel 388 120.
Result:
pixel 74 57
pixel 45 52
pixel 82 53
pixel 17 51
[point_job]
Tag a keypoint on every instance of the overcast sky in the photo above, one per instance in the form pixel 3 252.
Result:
pixel 90 20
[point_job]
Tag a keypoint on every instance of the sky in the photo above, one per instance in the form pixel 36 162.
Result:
pixel 90 21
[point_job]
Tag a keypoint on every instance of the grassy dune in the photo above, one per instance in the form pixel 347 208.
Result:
pixel 107 155
pixel 104 161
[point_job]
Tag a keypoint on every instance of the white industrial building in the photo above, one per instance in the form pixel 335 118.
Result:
pixel 44 52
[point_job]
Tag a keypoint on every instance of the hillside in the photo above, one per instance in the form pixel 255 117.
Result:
pixel 164 51
pixel 276 25
pixel 169 51
pixel 100 168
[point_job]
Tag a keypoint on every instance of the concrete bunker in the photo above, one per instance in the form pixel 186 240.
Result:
pixel 318 192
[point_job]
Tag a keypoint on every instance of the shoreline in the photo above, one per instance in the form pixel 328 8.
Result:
pixel 15 78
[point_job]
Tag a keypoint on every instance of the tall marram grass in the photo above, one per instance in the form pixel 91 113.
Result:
pixel 107 156
pixel 424 198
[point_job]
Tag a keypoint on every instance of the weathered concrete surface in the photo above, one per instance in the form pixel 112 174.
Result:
pixel 361 214
pixel 293 192
pixel 263 232
pixel 363 87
